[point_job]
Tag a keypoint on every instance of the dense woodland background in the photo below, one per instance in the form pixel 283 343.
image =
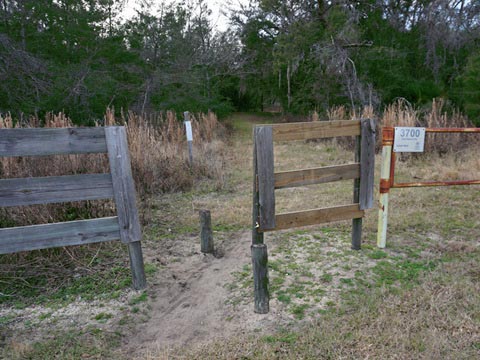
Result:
pixel 81 56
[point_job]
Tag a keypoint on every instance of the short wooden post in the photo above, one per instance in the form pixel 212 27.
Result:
pixel 357 223
pixel 206 237
pixel 387 143
pixel 188 131
pixel 258 249
pixel 260 278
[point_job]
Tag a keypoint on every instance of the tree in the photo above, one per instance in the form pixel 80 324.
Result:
pixel 469 88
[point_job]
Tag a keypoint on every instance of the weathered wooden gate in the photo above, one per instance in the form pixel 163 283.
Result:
pixel 56 189
pixel 266 181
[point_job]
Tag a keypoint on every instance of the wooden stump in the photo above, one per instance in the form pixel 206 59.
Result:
pixel 206 244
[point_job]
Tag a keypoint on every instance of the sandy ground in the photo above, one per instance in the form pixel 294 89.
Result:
pixel 191 304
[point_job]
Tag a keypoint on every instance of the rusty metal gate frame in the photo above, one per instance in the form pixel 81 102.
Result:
pixel 387 177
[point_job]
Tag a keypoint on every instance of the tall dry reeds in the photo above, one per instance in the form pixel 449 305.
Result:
pixel 159 154
pixel 159 159
pixel 342 113
pixel 401 113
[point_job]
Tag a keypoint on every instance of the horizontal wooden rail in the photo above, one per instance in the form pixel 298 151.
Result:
pixel 55 189
pixel 315 130
pixel 317 216
pixel 52 141
pixel 320 175
pixel 44 236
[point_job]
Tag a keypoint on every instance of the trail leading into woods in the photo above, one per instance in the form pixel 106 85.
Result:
pixel 190 302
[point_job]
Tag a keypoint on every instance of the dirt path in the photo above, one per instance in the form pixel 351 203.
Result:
pixel 191 301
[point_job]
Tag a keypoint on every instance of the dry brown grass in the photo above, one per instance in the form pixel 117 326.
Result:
pixel 401 113
pixel 159 154
pixel 461 165
pixel 159 161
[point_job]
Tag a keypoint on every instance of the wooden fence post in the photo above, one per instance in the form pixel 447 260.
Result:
pixel 188 131
pixel 206 237
pixel 260 278
pixel 139 280
pixel 357 223
pixel 363 186
pixel 258 249
pixel 265 176
pixel 125 200
pixel 367 163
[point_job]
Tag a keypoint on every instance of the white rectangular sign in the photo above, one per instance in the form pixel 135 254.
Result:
pixel 409 139
pixel 188 128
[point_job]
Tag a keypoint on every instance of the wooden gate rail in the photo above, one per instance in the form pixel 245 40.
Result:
pixel 266 181
pixel 319 175
pixel 118 184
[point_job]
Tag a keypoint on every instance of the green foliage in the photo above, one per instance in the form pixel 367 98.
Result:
pixel 299 311
pixel 76 56
pixel 405 272
pixel 469 87
pixel 318 54
pixel 140 298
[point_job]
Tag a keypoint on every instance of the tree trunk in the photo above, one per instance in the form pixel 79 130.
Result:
pixel 289 94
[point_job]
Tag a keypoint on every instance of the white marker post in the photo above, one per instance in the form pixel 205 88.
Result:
pixel 188 130
pixel 401 139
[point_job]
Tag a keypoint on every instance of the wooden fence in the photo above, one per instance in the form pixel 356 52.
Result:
pixel 56 189
pixel 266 181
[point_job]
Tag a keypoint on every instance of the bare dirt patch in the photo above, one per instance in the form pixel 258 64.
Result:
pixel 191 302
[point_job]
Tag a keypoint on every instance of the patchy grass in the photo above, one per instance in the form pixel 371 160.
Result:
pixel 93 343
pixel 417 298
pixel 53 280
pixel 436 318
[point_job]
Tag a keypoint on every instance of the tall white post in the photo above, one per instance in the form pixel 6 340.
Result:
pixel 387 142
pixel 188 130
